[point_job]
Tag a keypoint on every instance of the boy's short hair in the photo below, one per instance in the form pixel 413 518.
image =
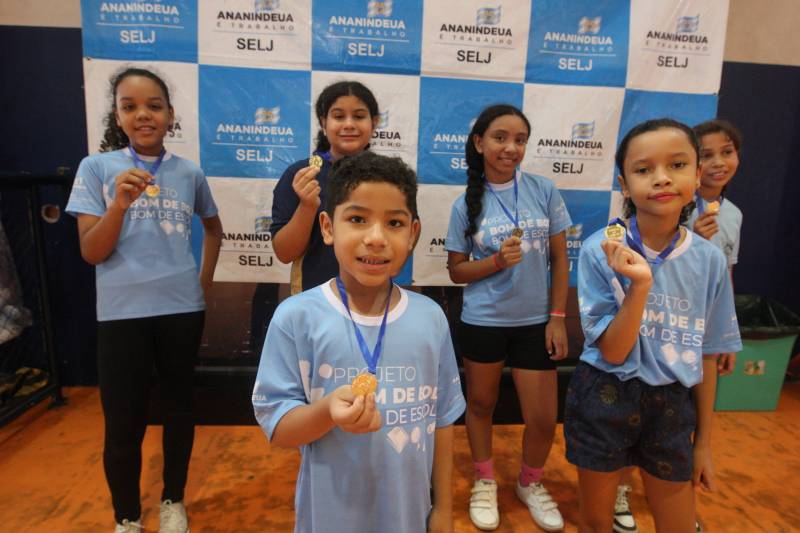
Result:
pixel 369 167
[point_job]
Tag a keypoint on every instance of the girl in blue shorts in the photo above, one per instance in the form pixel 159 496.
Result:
pixel 656 308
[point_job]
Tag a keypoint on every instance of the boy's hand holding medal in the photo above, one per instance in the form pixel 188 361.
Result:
pixel 354 413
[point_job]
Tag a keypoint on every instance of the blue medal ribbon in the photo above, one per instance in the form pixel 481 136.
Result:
pixel 700 202
pixel 635 241
pixel 514 219
pixel 371 358
pixel 138 163
pixel 324 155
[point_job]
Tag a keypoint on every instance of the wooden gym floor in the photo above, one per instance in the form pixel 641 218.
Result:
pixel 51 476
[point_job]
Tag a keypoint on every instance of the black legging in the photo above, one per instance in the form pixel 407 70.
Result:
pixel 128 351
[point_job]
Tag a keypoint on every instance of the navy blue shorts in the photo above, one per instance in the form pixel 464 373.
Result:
pixel 610 424
pixel 520 347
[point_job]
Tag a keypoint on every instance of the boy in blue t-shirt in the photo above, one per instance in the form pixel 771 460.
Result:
pixel 369 459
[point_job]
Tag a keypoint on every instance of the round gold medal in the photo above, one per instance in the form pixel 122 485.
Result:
pixel 615 232
pixel 315 161
pixel 518 233
pixel 365 383
pixel 713 207
pixel 152 190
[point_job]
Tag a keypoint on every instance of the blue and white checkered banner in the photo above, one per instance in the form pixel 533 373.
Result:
pixel 244 74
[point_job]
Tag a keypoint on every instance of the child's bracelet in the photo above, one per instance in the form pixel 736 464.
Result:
pixel 559 314
pixel 497 262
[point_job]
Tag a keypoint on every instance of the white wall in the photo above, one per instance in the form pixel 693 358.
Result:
pixel 49 13
pixel 763 31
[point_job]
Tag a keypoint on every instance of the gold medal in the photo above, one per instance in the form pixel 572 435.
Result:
pixel 615 232
pixel 315 161
pixel 365 383
pixel 517 232
pixel 152 190
pixel 713 207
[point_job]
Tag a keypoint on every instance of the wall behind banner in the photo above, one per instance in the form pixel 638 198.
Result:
pixel 45 106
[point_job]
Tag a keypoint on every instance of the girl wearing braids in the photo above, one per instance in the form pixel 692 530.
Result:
pixel 506 240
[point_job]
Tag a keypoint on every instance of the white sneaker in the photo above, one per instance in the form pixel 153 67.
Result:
pixel 172 518
pixel 623 518
pixel 129 527
pixel 483 505
pixel 541 505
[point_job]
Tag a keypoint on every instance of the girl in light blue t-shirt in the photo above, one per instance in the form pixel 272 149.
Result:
pixel 656 309
pixel 134 203
pixel 506 240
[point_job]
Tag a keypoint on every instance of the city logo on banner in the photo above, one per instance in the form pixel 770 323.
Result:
pixel 366 35
pixel 377 23
pixel 264 130
pixel 262 224
pixel 584 45
pixel 586 42
pixel 580 144
pixel 379 9
pixel 267 5
pixel 263 17
pixel 487 30
pixel 140 30
pixel 255 33
pixel 384 136
pixel 571 151
pixel 677 45
pixel 469 39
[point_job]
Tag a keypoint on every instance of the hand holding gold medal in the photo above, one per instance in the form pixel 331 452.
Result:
pixel 364 383
pixel 315 161
pixel 615 232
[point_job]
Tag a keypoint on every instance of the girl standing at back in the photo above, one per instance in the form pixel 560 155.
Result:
pixel 505 232
pixel 134 203
pixel 656 308
pixel 347 113
pixel 716 218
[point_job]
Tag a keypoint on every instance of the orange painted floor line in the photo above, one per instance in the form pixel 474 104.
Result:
pixel 51 476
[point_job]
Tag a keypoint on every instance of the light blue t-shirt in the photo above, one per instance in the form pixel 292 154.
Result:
pixel 151 271
pixel 373 482
pixel 729 221
pixel 689 312
pixel 516 296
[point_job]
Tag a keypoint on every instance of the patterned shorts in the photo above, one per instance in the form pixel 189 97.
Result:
pixel 610 424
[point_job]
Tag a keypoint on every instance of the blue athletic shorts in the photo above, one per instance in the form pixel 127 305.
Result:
pixel 610 424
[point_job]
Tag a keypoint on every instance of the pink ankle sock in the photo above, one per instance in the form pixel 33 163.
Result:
pixel 528 475
pixel 484 469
